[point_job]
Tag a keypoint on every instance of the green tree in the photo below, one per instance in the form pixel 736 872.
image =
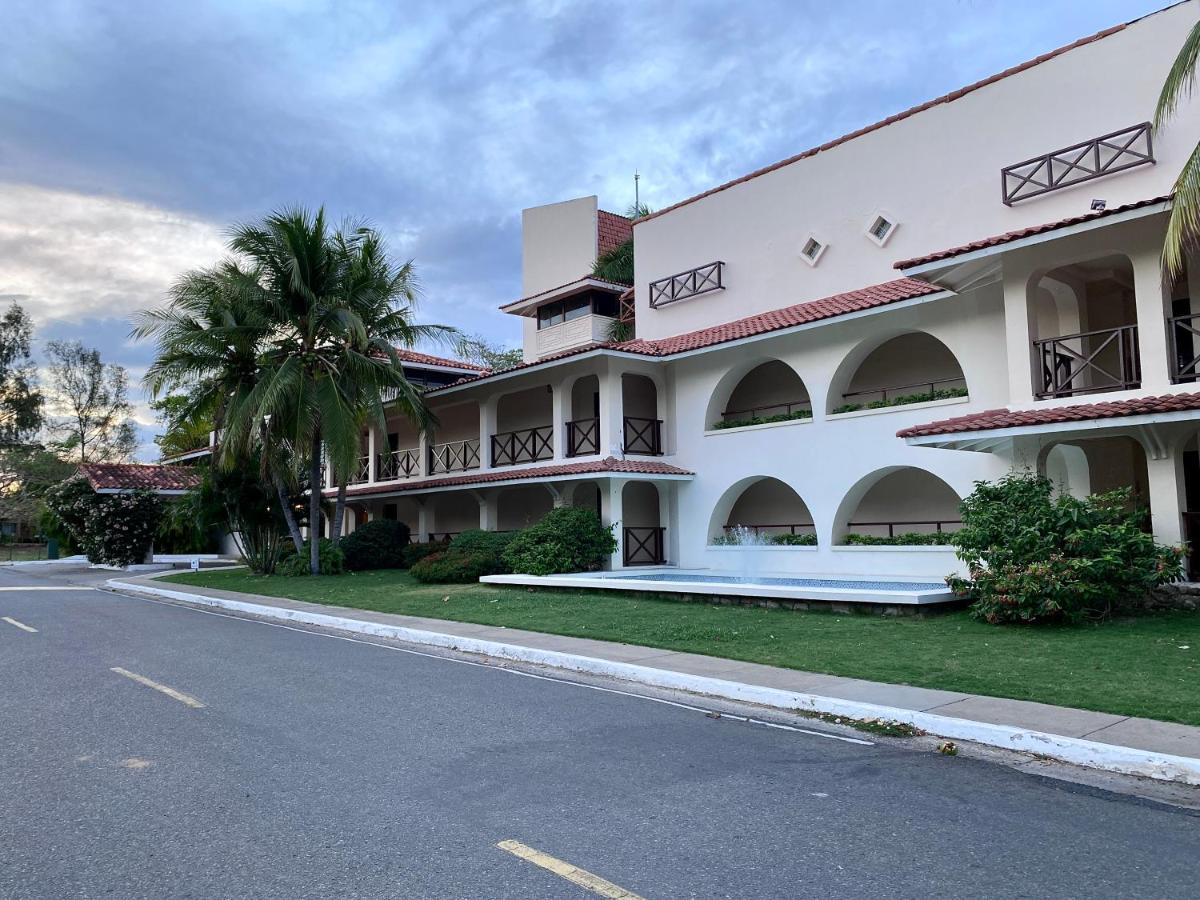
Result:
pixel 1183 229
pixel 475 348
pixel 20 399
pixel 89 403
pixel 180 429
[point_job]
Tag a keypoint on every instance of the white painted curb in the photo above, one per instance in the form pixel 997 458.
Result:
pixel 1080 752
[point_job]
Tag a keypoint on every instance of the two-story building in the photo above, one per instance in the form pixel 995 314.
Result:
pixel 844 342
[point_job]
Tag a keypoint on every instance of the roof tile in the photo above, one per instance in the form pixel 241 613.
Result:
pixel 131 476
pixel 611 231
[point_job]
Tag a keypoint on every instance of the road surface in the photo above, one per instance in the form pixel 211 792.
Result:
pixel 151 750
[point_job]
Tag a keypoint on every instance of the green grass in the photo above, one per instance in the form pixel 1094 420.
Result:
pixel 1132 666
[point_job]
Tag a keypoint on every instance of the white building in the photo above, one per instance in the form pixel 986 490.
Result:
pixel 958 247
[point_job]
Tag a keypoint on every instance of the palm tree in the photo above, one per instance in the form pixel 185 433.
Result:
pixel 1183 229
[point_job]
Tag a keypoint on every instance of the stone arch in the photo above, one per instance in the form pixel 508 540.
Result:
pixel 899 362
pixel 759 387
pixel 897 499
pixel 761 497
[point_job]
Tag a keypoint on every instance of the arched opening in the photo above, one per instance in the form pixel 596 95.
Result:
pixel 771 391
pixel 643 534
pixel 1085 325
pixel 914 367
pixel 454 446
pixel 520 507
pixel 452 513
pixel 903 505
pixel 399 509
pixel 583 417
pixel 762 510
pixel 524 432
pixel 1098 465
pixel 586 495
pixel 642 428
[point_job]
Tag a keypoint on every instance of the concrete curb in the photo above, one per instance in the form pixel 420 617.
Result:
pixel 1080 752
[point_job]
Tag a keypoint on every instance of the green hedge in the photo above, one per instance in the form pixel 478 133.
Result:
pixel 567 539
pixel 763 420
pixel 331 559
pixel 907 539
pixel 376 545
pixel 469 556
pixel 903 400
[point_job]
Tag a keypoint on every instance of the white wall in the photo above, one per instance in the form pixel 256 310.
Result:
pixel 910 170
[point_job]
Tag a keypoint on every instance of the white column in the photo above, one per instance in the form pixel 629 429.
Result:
pixel 1167 497
pixel 487 427
pixel 665 489
pixel 559 404
pixel 612 513
pixel 489 509
pixel 423 442
pixel 1019 333
pixel 1151 296
pixel 372 458
pixel 612 413
pixel 424 518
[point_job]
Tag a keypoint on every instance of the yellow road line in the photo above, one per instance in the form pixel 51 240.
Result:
pixel 161 688
pixel 20 625
pixel 573 874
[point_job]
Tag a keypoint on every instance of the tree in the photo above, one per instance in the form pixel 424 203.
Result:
pixel 475 348
pixel 90 405
pixel 1183 229
pixel 26 472
pixel 20 399
pixel 181 429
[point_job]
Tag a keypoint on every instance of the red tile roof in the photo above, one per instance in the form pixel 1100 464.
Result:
pixel 947 98
pixel 610 465
pixel 1009 236
pixel 131 476
pixel 1080 412
pixel 611 231
pixel 762 323
pixel 425 359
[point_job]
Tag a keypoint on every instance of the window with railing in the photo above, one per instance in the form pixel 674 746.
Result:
pixel 522 446
pixel 1104 155
pixel 643 436
pixel 692 283
pixel 454 456
pixel 1088 363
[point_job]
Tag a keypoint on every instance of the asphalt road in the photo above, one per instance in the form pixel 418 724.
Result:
pixel 325 767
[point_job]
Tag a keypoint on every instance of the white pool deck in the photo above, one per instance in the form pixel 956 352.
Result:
pixel 900 590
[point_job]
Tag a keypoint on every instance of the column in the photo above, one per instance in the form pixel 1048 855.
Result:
pixel 424 518
pixel 424 439
pixel 612 413
pixel 1167 497
pixel 1019 333
pixel 372 456
pixel 612 513
pixel 487 427
pixel 1151 297
pixel 489 509
pixel 559 403
pixel 665 489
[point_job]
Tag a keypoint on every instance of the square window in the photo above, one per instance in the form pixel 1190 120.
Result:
pixel 811 250
pixel 880 229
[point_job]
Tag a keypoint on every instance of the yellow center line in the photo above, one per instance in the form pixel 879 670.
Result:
pixel 20 625
pixel 161 688
pixel 573 874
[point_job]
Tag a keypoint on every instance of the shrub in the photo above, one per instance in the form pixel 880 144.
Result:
pixel 763 420
pixel 903 400
pixel 414 553
pixel 794 540
pixel 469 556
pixel 112 529
pixel 329 555
pixel 567 539
pixel 904 539
pixel 375 545
pixel 1034 557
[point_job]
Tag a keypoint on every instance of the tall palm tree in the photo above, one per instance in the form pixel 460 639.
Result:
pixel 1183 229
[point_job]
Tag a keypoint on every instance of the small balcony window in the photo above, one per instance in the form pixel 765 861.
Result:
pixel 576 307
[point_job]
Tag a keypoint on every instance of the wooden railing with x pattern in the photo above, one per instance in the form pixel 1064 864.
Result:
pixel 1089 362
pixel 1104 155
pixel 523 446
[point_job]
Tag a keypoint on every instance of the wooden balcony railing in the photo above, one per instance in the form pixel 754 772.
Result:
pixel 523 446
pixel 691 283
pixel 455 456
pixel 1184 333
pixel 643 436
pixel 645 545
pixel 583 437
pixel 1088 362
pixel 363 473
pixel 1105 155
pixel 398 464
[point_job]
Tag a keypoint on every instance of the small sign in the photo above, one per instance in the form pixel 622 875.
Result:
pixel 196 564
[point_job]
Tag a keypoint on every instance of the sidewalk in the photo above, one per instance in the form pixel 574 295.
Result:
pixel 1118 743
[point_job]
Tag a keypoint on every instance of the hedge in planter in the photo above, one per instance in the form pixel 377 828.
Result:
pixel 1035 557
pixel 375 545
pixel 567 539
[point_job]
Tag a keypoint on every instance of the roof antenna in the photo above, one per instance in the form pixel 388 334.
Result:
pixel 637 200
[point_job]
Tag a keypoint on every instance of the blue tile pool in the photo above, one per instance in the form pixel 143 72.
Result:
pixel 826 583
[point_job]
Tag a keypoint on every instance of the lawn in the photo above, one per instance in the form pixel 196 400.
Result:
pixel 1146 666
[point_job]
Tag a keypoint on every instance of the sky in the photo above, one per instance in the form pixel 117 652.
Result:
pixel 133 134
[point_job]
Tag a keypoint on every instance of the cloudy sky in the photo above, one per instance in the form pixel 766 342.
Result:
pixel 133 133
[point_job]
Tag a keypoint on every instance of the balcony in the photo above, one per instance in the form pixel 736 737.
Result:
pixel 1105 155
pixel 692 283
pixel 363 473
pixel 455 456
pixel 1088 363
pixel 645 545
pixel 583 437
pixel 398 464
pixel 1183 332
pixel 578 332
pixel 525 445
pixel 643 436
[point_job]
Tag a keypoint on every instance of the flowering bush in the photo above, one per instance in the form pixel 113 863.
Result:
pixel 112 529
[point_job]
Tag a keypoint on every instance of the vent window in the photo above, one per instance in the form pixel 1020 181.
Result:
pixel 880 229
pixel 811 250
